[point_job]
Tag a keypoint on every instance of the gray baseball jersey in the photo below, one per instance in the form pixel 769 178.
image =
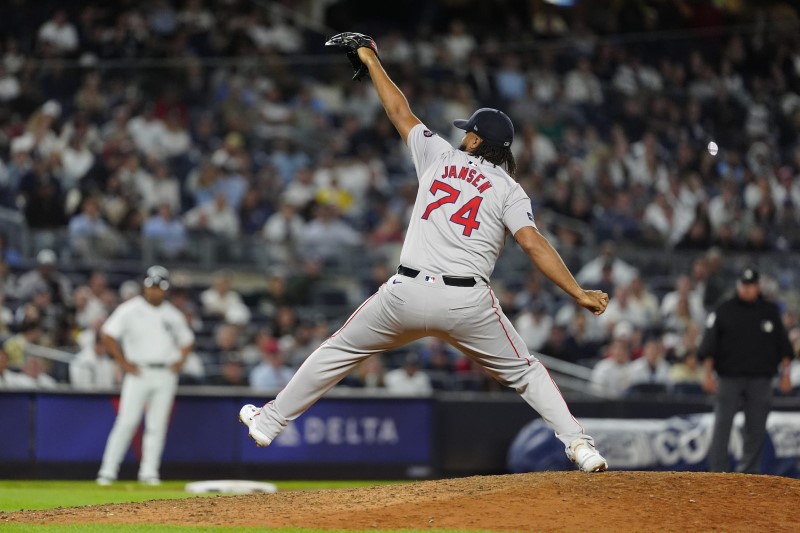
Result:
pixel 463 211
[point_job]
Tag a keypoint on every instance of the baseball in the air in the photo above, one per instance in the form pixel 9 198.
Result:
pixel 713 148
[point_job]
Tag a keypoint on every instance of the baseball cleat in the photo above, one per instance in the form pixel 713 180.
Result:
pixel 247 416
pixel 585 455
pixel 104 481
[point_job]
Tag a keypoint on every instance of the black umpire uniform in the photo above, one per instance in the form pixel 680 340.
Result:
pixel 744 342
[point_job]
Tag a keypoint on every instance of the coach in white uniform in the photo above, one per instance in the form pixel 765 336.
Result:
pixel 150 340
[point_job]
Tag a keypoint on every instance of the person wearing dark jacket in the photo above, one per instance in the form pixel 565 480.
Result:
pixel 744 342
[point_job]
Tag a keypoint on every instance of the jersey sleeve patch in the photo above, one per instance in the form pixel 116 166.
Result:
pixel 427 133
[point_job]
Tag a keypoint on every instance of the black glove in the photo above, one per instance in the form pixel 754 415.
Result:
pixel 351 42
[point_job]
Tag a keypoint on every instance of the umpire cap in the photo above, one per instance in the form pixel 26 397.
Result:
pixel 157 276
pixel 491 125
pixel 749 275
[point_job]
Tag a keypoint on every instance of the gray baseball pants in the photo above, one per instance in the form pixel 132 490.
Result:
pixel 406 309
pixel 754 396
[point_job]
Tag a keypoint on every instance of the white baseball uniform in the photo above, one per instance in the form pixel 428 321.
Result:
pixel 151 338
pixel 465 209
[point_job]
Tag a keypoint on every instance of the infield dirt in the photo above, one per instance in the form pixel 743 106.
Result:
pixel 617 502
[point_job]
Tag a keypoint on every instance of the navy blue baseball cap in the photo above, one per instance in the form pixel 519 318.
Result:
pixel 491 125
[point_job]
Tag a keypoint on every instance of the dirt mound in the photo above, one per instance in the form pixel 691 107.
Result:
pixel 551 501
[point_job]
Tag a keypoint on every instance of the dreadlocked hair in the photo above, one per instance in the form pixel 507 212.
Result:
pixel 498 155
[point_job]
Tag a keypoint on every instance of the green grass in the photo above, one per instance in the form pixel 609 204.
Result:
pixel 29 495
pixel 26 495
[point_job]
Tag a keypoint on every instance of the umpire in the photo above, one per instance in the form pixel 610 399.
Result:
pixel 744 341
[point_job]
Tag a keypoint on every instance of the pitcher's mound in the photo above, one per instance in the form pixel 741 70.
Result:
pixel 551 501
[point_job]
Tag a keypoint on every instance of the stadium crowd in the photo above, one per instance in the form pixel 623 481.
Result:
pixel 664 126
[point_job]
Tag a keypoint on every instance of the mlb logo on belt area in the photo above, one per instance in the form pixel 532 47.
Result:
pixel 430 279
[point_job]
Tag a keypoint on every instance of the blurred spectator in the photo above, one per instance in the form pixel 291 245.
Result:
pixel 534 325
pixel 166 233
pixel 45 275
pixel 158 188
pixel 368 375
pixel 327 236
pixel 219 299
pixel 88 308
pixel 652 366
pixel 90 235
pixel 283 229
pixel 687 369
pixel 183 302
pixel 794 369
pixel 129 289
pixel 409 379
pixel 644 303
pixel 29 332
pixel 214 218
pixel 232 373
pixel 93 369
pixel 622 309
pixel 611 376
pixel 271 373
pixel 682 306
pixel 9 379
pixel 59 33
pixel 146 130
pixel 35 369
pixel 621 272
pixel 300 344
pixel 226 346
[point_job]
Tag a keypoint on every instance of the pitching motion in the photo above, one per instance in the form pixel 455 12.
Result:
pixel 467 203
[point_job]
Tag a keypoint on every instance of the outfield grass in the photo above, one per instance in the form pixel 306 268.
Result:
pixel 28 495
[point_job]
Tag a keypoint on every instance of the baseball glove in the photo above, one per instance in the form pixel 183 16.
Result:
pixel 351 42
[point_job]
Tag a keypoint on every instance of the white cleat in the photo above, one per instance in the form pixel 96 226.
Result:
pixel 104 481
pixel 247 416
pixel 586 456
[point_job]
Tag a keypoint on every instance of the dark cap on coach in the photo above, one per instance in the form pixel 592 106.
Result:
pixel 491 125
pixel 157 276
pixel 749 275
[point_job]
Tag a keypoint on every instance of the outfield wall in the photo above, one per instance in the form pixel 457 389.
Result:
pixel 347 434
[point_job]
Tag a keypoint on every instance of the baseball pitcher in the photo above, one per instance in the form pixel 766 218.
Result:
pixel 467 203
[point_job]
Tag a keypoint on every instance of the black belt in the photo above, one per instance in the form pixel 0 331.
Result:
pixel 154 365
pixel 452 281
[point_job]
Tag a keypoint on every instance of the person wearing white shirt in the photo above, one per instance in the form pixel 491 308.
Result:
pixel 59 32
pixel 592 272
pixel 146 130
pixel 216 217
pixel 534 325
pixel 220 300
pixel 408 379
pixel 651 367
pixel 92 369
pixel 581 85
pixel 683 291
pixel 158 188
pixel 150 340
pixel 10 379
pixel 611 376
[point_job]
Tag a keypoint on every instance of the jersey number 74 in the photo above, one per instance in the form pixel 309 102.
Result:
pixel 466 216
